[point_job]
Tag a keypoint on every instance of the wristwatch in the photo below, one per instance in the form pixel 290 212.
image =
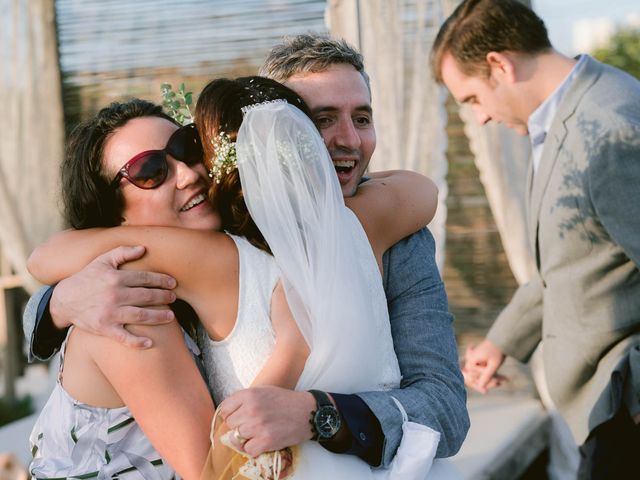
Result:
pixel 325 419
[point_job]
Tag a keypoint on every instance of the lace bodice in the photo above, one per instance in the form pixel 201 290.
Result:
pixel 232 364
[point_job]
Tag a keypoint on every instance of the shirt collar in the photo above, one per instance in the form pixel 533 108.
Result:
pixel 540 120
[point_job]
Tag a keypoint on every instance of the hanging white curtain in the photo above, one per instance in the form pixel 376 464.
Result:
pixel 502 158
pixel 395 38
pixel 32 126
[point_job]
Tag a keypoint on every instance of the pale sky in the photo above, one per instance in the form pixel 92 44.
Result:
pixel 575 25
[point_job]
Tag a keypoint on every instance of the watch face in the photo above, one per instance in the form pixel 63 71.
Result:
pixel 327 422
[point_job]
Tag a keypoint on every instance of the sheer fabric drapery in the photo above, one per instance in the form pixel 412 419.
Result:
pixel 329 272
pixel 395 38
pixel 32 125
pixel 502 159
pixel 323 253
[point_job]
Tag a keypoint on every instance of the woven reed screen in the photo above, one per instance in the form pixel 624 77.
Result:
pixel 113 49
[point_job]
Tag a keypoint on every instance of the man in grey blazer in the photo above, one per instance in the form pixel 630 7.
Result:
pixel 330 77
pixel 583 119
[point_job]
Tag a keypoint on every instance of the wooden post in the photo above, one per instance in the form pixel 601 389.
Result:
pixel 4 267
pixel 8 332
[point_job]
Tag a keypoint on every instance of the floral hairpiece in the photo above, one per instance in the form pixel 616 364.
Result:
pixel 225 157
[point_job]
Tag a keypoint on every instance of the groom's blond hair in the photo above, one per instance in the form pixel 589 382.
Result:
pixel 309 53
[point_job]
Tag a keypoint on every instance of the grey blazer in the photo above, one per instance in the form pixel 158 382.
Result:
pixel 584 228
pixel 432 390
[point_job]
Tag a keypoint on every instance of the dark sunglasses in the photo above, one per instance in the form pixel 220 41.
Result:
pixel 149 169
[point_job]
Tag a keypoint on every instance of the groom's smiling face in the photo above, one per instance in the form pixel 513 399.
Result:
pixel 340 104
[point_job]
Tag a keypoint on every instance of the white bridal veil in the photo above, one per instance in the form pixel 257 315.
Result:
pixel 330 275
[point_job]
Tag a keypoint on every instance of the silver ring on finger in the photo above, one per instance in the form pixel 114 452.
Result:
pixel 239 438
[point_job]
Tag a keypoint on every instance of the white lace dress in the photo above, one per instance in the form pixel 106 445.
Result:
pixel 74 440
pixel 233 363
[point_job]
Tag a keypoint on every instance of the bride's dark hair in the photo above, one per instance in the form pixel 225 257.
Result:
pixel 219 109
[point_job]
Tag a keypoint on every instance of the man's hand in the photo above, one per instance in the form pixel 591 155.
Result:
pixel 269 418
pixel 481 363
pixel 102 299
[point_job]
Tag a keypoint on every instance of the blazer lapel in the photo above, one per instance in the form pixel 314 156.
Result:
pixel 527 200
pixel 552 144
pixel 584 79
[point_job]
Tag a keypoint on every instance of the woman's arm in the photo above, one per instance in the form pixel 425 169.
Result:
pixel 196 259
pixel 392 205
pixel 161 386
pixel 285 364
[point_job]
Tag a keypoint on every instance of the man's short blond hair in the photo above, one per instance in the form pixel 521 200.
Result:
pixel 310 53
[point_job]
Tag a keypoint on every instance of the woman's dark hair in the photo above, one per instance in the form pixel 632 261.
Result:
pixel 219 109
pixel 88 198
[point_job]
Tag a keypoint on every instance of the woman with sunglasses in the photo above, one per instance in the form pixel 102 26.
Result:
pixel 133 180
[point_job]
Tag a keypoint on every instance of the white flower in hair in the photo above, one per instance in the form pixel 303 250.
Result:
pixel 225 158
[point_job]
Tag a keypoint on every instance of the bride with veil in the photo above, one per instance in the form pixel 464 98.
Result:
pixel 329 271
